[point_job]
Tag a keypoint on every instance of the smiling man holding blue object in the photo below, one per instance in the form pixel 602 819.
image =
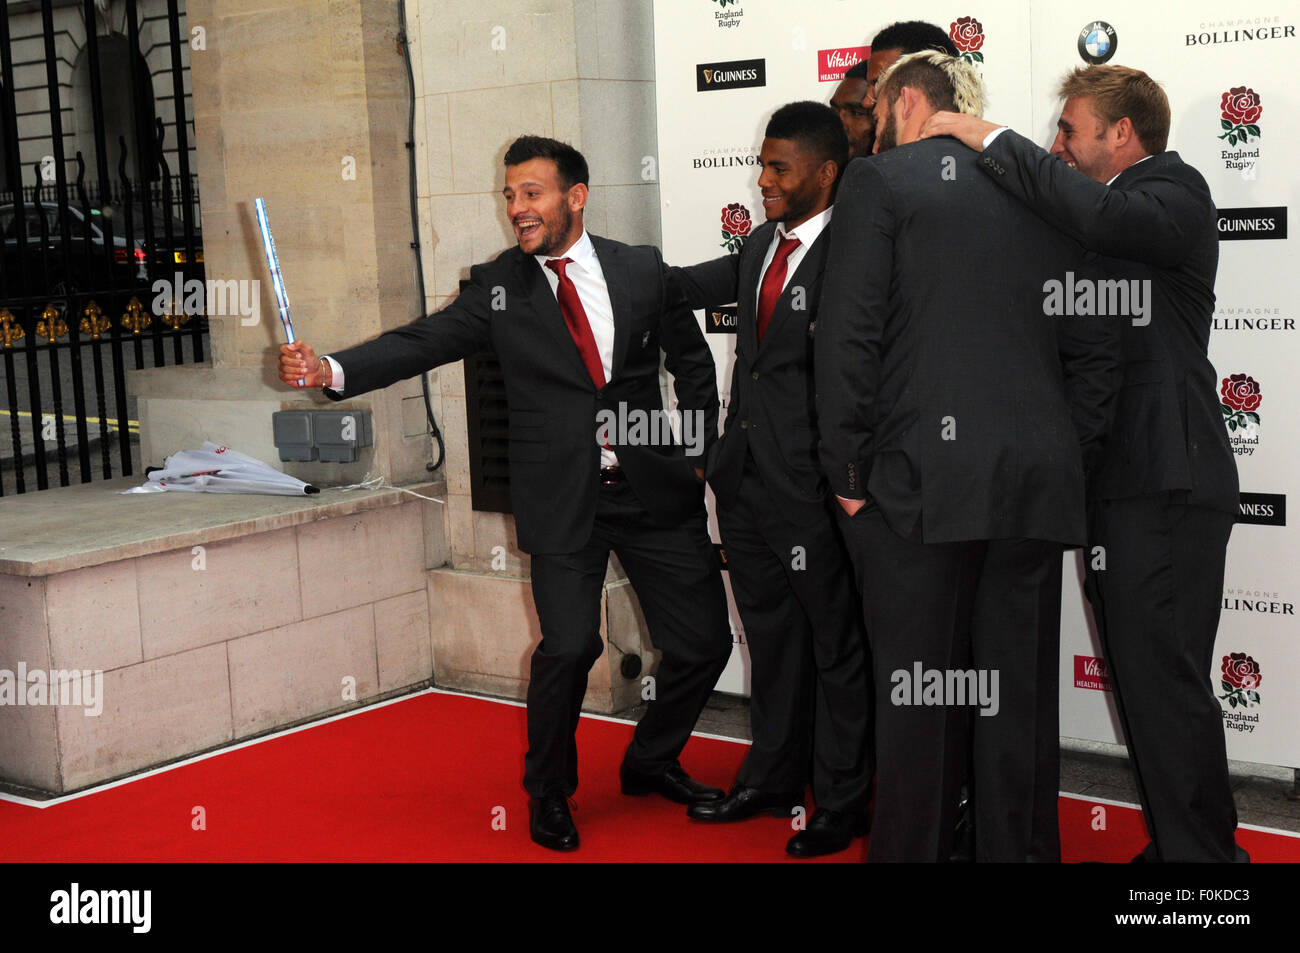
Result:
pixel 578 323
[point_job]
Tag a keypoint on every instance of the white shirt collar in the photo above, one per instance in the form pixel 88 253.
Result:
pixel 582 252
pixel 1122 171
pixel 807 232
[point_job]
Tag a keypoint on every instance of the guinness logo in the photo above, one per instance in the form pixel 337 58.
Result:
pixel 1249 224
pixel 735 74
pixel 1262 509
pixel 721 320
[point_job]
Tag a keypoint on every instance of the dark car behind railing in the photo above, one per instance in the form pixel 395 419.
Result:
pixel 51 268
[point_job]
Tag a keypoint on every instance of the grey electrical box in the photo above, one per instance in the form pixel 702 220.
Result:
pixel 293 435
pixel 332 436
pixel 338 434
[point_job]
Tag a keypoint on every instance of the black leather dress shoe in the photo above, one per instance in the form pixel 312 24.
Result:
pixel 551 824
pixel 743 803
pixel 828 833
pixel 673 783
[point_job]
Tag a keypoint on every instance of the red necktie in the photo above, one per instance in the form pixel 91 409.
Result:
pixel 575 316
pixel 773 283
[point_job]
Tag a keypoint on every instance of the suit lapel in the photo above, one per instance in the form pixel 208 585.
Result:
pixel 614 268
pixel 537 292
pixel 805 277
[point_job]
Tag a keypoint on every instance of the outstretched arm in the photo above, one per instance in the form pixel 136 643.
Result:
pixel 709 282
pixel 459 329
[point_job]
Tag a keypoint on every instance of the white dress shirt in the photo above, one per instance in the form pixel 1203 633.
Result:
pixel 806 233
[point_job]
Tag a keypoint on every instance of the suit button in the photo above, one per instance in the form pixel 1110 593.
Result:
pixel 754 375
pixel 744 425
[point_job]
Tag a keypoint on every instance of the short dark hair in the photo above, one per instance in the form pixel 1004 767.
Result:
pixel 913 36
pixel 815 126
pixel 568 160
pixel 857 71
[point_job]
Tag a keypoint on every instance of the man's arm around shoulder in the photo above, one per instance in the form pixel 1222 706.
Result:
pixel 1158 218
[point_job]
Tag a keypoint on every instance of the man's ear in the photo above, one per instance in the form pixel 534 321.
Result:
pixel 827 173
pixel 577 197
pixel 1121 134
pixel 909 98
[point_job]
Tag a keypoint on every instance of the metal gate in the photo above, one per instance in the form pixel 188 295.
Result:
pixel 99 212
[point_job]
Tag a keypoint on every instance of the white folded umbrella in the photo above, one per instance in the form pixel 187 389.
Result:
pixel 217 469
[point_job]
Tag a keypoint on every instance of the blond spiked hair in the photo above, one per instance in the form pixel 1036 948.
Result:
pixel 947 82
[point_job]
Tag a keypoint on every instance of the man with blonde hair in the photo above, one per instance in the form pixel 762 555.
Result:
pixel 948 438
pixel 1165 495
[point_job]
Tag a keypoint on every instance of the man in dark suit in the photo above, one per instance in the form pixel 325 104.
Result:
pixel 577 323
pixel 1166 495
pixel 952 413
pixel 789 572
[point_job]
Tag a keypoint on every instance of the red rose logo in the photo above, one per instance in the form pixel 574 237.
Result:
pixel 1240 110
pixel 1241 677
pixel 1241 670
pixel 736 220
pixel 967 35
pixel 1241 106
pixel 1240 398
pixel 736 224
pixel 1241 392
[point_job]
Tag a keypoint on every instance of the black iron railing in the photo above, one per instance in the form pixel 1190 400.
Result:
pixel 84 252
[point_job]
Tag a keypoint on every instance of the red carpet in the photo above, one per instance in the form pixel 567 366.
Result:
pixel 423 780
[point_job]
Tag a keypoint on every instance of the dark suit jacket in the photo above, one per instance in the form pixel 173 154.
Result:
pixel 941 383
pixel 1156 221
pixel 771 413
pixel 554 406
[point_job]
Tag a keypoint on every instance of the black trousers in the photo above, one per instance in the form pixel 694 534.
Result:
pixel 791 580
pixel 676 576
pixel 990 608
pixel 1157 605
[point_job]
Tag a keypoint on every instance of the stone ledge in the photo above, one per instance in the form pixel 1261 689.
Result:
pixel 67 528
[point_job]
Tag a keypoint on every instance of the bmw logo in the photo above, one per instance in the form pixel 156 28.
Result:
pixel 1097 42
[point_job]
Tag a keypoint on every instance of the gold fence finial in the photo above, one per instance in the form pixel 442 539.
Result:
pixel 95 321
pixel 51 326
pixel 9 330
pixel 136 318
